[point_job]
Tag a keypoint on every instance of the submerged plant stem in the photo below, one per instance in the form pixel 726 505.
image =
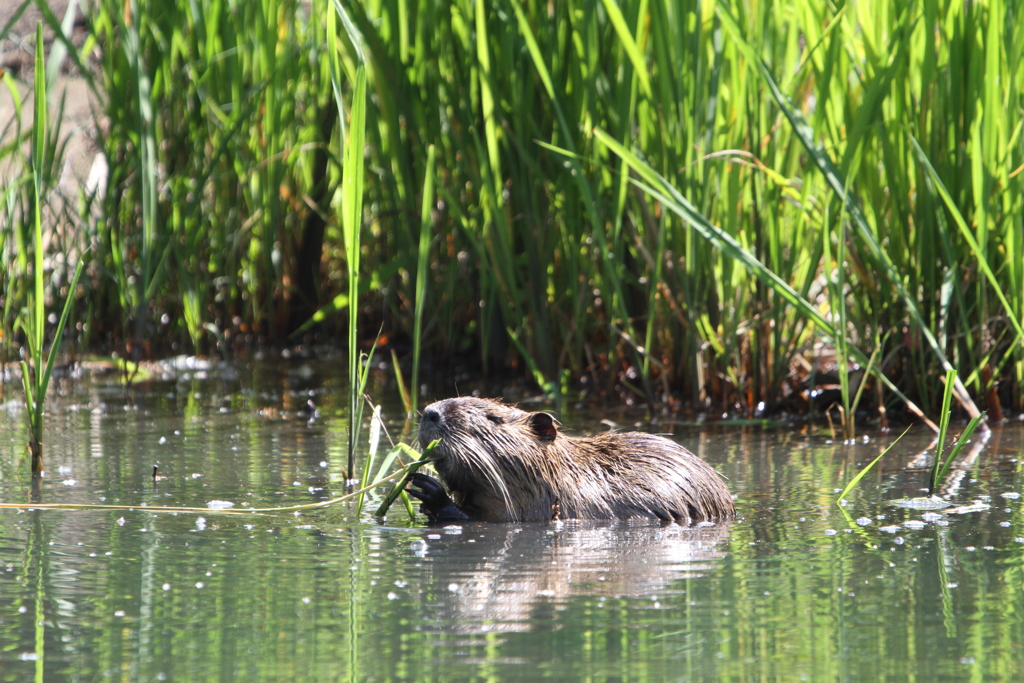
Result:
pixel 229 511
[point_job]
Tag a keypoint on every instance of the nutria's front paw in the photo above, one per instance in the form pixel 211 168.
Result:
pixel 436 504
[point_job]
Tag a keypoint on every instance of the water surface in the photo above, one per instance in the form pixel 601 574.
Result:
pixel 796 588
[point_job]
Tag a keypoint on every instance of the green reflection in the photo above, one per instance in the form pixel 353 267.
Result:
pixel 794 588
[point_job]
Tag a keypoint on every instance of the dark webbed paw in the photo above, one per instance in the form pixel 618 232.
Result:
pixel 436 504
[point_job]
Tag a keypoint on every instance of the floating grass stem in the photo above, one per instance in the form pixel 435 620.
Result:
pixel 224 511
pixel 867 468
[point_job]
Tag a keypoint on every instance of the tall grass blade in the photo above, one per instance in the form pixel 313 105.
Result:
pixel 403 390
pixel 352 180
pixel 422 267
pixel 38 160
pixel 629 44
pixel 940 444
pixel 15 15
pixel 37 313
pixel 961 441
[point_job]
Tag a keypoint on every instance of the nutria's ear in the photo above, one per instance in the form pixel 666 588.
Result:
pixel 543 426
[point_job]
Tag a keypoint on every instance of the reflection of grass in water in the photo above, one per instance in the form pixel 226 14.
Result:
pixel 815 141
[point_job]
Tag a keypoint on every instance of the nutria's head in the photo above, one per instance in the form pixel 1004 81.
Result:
pixel 485 444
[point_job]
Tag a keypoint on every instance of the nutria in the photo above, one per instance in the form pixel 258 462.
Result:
pixel 503 464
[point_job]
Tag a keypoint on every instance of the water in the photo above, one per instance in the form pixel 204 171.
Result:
pixel 795 589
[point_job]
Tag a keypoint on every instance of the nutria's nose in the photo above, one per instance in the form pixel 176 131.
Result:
pixel 431 414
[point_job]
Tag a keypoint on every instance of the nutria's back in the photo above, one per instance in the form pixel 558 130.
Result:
pixel 503 464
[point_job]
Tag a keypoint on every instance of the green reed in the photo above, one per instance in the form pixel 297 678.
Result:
pixel 37 367
pixel 642 198
pixel 942 464
pixel 422 264
pixel 352 181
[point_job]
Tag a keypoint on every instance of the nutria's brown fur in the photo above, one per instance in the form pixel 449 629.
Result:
pixel 503 464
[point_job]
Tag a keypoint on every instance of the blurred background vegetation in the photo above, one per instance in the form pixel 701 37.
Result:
pixel 726 205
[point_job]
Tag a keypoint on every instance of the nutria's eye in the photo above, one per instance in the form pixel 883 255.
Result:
pixel 496 419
